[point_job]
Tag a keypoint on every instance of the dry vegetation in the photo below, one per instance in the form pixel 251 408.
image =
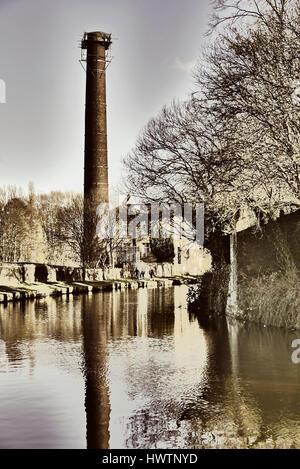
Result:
pixel 272 299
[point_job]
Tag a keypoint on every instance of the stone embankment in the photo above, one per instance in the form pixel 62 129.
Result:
pixel 18 291
pixel 23 281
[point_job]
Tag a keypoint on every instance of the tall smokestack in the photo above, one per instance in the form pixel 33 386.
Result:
pixel 95 153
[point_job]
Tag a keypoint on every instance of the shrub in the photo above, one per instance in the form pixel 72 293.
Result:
pixel 163 249
pixel 272 299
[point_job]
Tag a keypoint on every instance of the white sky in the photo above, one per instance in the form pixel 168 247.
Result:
pixel 42 122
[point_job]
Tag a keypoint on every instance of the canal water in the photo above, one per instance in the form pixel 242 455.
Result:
pixel 132 369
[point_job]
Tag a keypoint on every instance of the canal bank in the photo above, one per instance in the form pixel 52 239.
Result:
pixel 26 281
pixel 21 291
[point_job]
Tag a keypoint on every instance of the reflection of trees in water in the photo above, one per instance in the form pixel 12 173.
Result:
pixel 245 394
pixel 230 417
pixel 251 388
pixel 52 327
pixel 203 421
pixel 161 312
pixel 161 382
pixel 273 382
pixel 150 429
pixel 142 316
pixel 94 320
pixel 105 316
pixel 23 324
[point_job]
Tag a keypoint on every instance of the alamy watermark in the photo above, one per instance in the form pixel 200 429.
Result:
pixel 296 353
pixel 155 220
pixel 2 91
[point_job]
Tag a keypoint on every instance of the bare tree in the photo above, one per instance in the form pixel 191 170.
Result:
pixel 21 237
pixel 60 223
pixel 14 230
pixel 49 206
pixel 250 85
pixel 77 227
pixel 181 156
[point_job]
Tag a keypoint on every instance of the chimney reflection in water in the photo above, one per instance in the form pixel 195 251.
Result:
pixel 95 327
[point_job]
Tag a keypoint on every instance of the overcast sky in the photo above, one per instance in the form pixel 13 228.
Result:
pixel 42 122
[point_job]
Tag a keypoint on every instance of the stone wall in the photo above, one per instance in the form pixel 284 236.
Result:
pixel 266 250
pixel 17 272
pixel 274 248
pixel 30 272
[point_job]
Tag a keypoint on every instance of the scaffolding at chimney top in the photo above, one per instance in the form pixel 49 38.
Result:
pixel 101 38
